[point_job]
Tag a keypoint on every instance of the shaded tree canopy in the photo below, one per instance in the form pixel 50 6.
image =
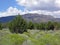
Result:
pixel 31 25
pixel 18 25
pixel 0 26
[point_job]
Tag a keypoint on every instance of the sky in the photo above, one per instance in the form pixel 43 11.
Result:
pixel 14 7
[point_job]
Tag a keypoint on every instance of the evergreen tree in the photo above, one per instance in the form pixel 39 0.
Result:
pixel 42 26
pixel 18 25
pixel 0 26
pixel 50 26
pixel 31 25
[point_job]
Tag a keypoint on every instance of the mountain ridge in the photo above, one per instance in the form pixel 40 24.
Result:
pixel 31 17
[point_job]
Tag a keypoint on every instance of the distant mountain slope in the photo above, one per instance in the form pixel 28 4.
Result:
pixel 38 17
pixel 6 19
pixel 32 17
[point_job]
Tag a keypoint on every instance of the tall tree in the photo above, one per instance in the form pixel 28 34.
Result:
pixel 18 25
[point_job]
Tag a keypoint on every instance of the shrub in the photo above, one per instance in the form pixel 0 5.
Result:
pixel 0 26
pixel 12 39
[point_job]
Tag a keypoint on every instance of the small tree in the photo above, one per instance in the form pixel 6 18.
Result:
pixel 37 26
pixel 42 26
pixel 18 25
pixel 50 26
pixel 31 25
pixel 0 26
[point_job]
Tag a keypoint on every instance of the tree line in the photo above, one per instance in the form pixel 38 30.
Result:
pixel 20 25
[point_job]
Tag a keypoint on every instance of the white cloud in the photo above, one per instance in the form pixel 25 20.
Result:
pixel 10 11
pixel 55 14
pixel 27 3
pixel 30 3
pixel 41 12
pixel 46 7
pixel 40 4
pixel 57 3
pixel 14 11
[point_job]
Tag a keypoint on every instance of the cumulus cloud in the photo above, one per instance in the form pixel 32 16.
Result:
pixel 55 14
pixel 46 7
pixel 10 11
pixel 51 5
pixel 57 3
pixel 14 11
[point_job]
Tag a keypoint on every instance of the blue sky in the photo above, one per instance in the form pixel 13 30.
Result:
pixel 4 4
pixel 13 7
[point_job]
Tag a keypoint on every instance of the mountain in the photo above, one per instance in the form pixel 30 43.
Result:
pixel 6 19
pixel 32 17
pixel 38 17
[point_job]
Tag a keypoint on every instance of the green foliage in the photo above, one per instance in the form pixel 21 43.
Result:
pixel 31 25
pixel 50 26
pixel 18 25
pixel 42 26
pixel 32 37
pixel 56 25
pixel 44 38
pixel 13 39
pixel 45 26
pixel 0 26
pixel 4 32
